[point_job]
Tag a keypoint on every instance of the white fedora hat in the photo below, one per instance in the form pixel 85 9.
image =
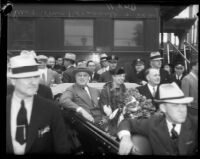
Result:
pixel 70 56
pixel 29 53
pixel 23 66
pixel 155 56
pixel 171 93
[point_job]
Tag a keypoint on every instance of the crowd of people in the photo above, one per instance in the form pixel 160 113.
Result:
pixel 172 91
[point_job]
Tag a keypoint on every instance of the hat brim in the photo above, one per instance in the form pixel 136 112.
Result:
pixel 69 59
pixel 184 100
pixel 82 70
pixel 159 58
pixel 24 75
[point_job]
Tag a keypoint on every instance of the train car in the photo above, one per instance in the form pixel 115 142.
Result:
pixel 129 31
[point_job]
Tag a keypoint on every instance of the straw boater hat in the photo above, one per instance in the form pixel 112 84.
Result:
pixel 155 56
pixel 82 69
pixel 171 93
pixel 70 56
pixel 23 66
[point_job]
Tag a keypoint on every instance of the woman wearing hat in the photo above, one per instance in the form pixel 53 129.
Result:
pixel 172 132
pixel 111 98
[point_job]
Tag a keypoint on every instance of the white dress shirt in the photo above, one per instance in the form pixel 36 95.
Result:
pixel 15 107
pixel 151 88
pixel 43 71
pixel 177 127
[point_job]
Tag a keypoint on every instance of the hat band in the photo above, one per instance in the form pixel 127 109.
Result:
pixel 157 56
pixel 172 98
pixel 24 69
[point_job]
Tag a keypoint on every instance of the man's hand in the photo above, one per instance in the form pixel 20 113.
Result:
pixel 125 145
pixel 86 115
pixel 107 110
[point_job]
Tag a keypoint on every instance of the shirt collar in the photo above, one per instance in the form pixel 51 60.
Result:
pixel 151 87
pixel 177 128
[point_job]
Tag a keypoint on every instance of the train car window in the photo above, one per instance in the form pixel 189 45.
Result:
pixel 21 33
pixel 78 32
pixel 128 33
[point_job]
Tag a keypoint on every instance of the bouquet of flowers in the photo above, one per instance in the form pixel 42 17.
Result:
pixel 136 105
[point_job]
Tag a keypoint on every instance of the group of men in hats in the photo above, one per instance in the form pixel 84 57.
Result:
pixel 35 124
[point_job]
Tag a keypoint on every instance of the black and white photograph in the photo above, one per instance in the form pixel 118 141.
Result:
pixel 101 77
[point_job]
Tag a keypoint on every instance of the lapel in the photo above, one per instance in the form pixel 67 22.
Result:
pixel 185 136
pixel 83 95
pixel 9 146
pixel 34 122
pixel 148 92
pixel 94 96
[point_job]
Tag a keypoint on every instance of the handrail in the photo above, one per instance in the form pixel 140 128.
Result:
pixel 178 51
pixel 187 43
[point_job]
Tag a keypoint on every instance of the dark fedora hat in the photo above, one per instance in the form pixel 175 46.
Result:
pixel 82 69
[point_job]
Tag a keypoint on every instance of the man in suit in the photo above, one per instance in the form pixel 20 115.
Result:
pixel 155 62
pixel 150 90
pixel 190 84
pixel 92 66
pixel 34 125
pixel 81 98
pixel 178 74
pixel 69 62
pixel 107 75
pixel 172 132
pixel 104 64
pixel 48 76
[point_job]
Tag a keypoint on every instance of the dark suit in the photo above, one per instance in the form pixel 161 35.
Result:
pixel 43 90
pixel 164 76
pixel 134 77
pixel 155 128
pixel 178 81
pixel 95 77
pixel 105 77
pixel 44 114
pixel 68 76
pixel 144 90
pixel 75 97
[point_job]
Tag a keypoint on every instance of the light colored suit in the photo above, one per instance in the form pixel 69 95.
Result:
pixel 189 86
pixel 75 96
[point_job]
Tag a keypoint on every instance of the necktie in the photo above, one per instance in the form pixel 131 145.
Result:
pixel 22 124
pixel 86 89
pixel 174 137
pixel 174 134
pixel 154 91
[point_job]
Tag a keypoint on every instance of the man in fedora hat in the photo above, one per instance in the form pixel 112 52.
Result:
pixel 69 62
pixel 34 125
pixel 82 98
pixel 172 132
pixel 48 76
pixel 156 62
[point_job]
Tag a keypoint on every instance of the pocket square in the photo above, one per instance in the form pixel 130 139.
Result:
pixel 41 132
pixel 189 142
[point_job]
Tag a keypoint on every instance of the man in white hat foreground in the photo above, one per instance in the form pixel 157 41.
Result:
pixel 156 62
pixel 173 132
pixel 34 125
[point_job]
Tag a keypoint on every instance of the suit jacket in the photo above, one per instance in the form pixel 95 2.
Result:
pixel 43 90
pixel 190 88
pixel 134 77
pixel 164 76
pixel 75 96
pixel 144 90
pixel 44 114
pixel 178 81
pixel 68 76
pixel 52 76
pixel 105 77
pixel 95 78
pixel 155 128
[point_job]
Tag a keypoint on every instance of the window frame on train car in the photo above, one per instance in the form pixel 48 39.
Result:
pixel 13 38
pixel 79 47
pixel 130 48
